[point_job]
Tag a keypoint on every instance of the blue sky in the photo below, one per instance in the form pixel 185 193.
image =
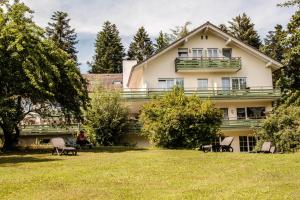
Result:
pixel 87 16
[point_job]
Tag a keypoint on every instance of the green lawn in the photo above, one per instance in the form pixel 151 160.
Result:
pixel 119 173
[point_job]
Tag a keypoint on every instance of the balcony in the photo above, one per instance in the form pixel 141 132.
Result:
pixel 211 93
pixel 208 64
pixel 240 123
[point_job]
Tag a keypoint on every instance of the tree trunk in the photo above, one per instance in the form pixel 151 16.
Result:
pixel 9 143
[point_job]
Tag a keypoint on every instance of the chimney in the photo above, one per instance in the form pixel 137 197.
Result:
pixel 127 66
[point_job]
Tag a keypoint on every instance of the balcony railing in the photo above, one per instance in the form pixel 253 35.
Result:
pixel 135 126
pixel 213 93
pixel 211 64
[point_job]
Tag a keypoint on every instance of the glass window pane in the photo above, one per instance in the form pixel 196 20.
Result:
pixel 241 113
pixel 256 112
pixel 180 82
pixel 235 84
pixel 170 84
pixel 225 83
pixel 243 143
pixel 202 84
pixel 225 113
pixel 162 84
pixel 243 84
pixel 183 52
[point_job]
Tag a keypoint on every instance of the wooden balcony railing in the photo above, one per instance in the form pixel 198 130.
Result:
pixel 212 64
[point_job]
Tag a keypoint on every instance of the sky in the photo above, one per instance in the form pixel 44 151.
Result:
pixel 88 16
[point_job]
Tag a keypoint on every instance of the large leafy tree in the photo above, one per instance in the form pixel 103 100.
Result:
pixel 274 43
pixel 242 28
pixel 179 31
pixel 35 75
pixel 141 46
pixel 162 41
pixel 60 31
pixel 106 120
pixel 176 120
pixel 109 51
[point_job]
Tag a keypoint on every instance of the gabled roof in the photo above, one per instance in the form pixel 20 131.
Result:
pixel 229 38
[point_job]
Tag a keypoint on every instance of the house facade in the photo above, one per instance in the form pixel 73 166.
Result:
pixel 212 65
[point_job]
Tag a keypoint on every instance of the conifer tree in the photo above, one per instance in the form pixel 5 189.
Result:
pixel 62 34
pixel 179 31
pixel 162 41
pixel 109 51
pixel 141 47
pixel 273 43
pixel 242 28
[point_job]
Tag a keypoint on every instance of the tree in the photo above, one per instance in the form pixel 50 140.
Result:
pixel 242 28
pixel 282 127
pixel 109 51
pixel 35 75
pixel 62 34
pixel 179 31
pixel 162 41
pixel 107 118
pixel 290 3
pixel 141 47
pixel 176 120
pixel 223 28
pixel 290 79
pixel 273 43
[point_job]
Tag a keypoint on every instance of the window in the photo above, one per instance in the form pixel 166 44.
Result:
pixel 202 84
pixel 170 83
pixel 227 52
pixel 225 113
pixel 197 53
pixel 238 83
pixel 212 53
pixel 241 113
pixel 183 53
pixel 256 112
pixel 226 83
pixel 247 143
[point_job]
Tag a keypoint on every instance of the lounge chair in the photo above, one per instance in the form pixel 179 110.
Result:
pixel 59 147
pixel 224 146
pixel 267 148
pixel 71 142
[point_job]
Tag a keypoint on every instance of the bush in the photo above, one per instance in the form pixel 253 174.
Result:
pixel 176 120
pixel 107 118
pixel 282 128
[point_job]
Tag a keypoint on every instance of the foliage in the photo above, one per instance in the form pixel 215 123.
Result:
pixel 141 48
pixel 290 3
pixel 179 31
pixel 62 34
pixel 109 51
pixel 274 43
pixel 162 41
pixel 223 28
pixel 35 75
pixel 107 118
pixel 242 28
pixel 176 120
pixel 282 127
pixel 290 79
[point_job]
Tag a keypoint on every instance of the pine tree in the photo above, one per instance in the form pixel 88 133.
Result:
pixel 141 47
pixel 223 28
pixel 109 51
pixel 62 34
pixel 242 28
pixel 291 71
pixel 162 41
pixel 273 43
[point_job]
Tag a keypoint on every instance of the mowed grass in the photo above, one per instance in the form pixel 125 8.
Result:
pixel 121 173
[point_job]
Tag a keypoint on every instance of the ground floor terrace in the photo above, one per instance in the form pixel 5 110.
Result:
pixel 125 173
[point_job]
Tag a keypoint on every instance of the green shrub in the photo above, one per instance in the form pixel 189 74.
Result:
pixel 282 128
pixel 107 118
pixel 176 120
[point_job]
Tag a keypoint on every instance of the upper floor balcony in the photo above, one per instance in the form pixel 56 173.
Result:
pixel 211 93
pixel 207 64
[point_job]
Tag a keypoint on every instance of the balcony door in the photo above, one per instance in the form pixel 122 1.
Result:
pixel 183 53
pixel 225 83
pixel 170 83
pixel 202 84
pixel 213 53
pixel 197 53
pixel 227 52
pixel 238 83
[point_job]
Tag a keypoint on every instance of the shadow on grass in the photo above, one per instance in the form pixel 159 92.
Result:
pixel 4 161
pixel 111 149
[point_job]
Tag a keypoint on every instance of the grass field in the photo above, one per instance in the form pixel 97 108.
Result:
pixel 120 173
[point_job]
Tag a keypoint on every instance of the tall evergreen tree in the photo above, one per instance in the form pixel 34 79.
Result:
pixel 223 28
pixel 109 51
pixel 141 47
pixel 291 70
pixel 274 43
pixel 62 34
pixel 162 41
pixel 242 28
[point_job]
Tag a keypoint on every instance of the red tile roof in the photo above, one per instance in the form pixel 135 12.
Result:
pixel 108 81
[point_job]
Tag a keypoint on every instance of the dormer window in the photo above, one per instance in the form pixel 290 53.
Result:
pixel 213 53
pixel 183 52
